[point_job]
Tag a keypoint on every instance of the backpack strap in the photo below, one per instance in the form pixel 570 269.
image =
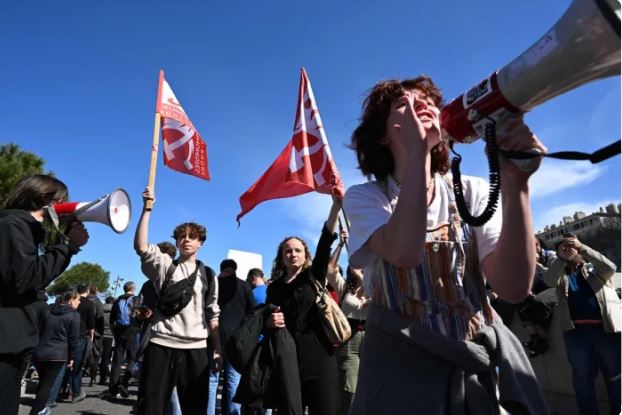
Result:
pixel 169 274
pixel 210 275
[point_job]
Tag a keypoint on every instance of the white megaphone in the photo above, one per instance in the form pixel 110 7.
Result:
pixel 113 209
pixel 584 45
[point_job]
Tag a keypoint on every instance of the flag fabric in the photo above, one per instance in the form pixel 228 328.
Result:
pixel 305 164
pixel 184 149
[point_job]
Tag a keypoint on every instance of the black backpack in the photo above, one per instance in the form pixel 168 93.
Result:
pixel 175 297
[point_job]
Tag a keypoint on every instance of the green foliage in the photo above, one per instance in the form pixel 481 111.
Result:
pixel 15 164
pixel 84 272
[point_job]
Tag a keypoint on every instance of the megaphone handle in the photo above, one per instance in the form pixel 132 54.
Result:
pixel 528 165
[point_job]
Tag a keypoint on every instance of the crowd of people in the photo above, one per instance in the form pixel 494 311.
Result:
pixel 425 295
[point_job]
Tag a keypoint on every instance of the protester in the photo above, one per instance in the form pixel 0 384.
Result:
pixel 354 306
pixel 149 295
pixel 124 331
pixel 56 349
pixel 27 267
pixel 257 282
pixel 255 277
pixel 96 347
pixel 72 383
pixel 589 310
pixel 294 292
pixel 177 352
pixel 235 299
pixel 334 274
pixel 107 343
pixel 423 264
pixel 535 314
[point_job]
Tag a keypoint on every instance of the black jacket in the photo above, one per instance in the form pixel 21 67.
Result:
pixel 86 309
pixel 316 354
pixel 235 299
pixel 270 376
pixel 59 334
pixel 26 268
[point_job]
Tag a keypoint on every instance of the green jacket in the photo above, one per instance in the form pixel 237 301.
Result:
pixel 599 278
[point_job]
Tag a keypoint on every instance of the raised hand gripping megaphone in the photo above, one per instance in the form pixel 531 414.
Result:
pixel 113 210
pixel 583 46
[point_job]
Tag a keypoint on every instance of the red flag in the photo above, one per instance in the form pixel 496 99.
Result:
pixel 184 149
pixel 305 164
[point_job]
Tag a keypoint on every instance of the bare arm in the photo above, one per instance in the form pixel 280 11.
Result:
pixel 401 241
pixel 141 237
pixel 510 267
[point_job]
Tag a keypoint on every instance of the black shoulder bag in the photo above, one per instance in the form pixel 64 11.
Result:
pixel 175 297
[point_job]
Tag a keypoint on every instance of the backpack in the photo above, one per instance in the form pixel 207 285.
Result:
pixel 124 308
pixel 175 297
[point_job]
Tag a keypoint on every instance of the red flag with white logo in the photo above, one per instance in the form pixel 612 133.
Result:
pixel 184 149
pixel 306 163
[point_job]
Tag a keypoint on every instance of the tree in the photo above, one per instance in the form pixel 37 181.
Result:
pixel 15 164
pixel 84 272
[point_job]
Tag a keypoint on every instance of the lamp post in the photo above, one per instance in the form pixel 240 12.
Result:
pixel 117 281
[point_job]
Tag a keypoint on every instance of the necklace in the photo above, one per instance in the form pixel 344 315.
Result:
pixel 427 187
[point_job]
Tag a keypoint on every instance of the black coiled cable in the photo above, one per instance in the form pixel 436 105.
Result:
pixel 494 179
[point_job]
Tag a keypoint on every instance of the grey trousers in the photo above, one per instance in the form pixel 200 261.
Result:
pixel 394 380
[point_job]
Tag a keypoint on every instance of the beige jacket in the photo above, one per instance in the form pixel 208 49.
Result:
pixel 599 279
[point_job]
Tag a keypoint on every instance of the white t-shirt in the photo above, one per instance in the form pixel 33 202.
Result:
pixel 368 208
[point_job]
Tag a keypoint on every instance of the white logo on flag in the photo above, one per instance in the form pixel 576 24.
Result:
pixel 187 133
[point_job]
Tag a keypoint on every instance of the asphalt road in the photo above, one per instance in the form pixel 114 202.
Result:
pixel 94 404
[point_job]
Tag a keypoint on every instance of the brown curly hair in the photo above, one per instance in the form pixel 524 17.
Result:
pixel 278 265
pixel 375 158
pixel 194 230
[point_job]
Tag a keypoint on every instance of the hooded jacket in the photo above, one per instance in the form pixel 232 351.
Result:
pixel 26 268
pixel 59 334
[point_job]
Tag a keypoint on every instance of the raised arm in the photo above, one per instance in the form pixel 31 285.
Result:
pixel 401 241
pixel 510 267
pixel 141 238
pixel 328 236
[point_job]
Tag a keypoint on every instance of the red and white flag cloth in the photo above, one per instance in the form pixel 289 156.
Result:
pixel 306 163
pixel 184 149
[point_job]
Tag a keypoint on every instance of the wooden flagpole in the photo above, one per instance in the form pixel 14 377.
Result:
pixel 155 143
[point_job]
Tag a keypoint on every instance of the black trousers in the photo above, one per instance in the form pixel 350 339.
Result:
pixel 10 382
pixel 94 356
pixel 104 371
pixel 162 369
pixel 125 346
pixel 48 371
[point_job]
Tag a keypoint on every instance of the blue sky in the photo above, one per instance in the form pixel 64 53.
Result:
pixel 79 82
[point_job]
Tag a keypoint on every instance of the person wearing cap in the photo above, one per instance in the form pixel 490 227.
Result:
pixel 590 314
pixel 235 299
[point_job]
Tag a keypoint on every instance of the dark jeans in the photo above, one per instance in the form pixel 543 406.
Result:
pixel 104 370
pixel 48 372
pixel 164 368
pixel 57 384
pixel 125 347
pixel 589 348
pixel 10 382
pixel 74 376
